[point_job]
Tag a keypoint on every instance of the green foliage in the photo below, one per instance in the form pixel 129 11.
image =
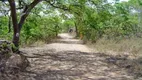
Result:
pixel 40 28
pixel 4 28
pixel 36 28
pixel 112 21
pixel 93 19
pixel 67 25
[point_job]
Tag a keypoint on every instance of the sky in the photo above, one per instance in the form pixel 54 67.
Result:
pixel 114 0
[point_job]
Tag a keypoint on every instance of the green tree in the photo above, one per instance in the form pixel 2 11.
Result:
pixel 26 7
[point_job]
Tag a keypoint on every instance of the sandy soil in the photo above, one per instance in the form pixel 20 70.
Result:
pixel 68 59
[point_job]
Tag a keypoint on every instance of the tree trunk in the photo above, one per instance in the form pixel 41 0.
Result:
pixel 17 26
pixel 16 33
pixel 76 29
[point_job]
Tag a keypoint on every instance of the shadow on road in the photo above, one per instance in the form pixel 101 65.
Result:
pixel 75 65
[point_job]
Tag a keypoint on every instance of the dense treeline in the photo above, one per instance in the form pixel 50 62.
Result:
pixel 92 19
pixel 35 29
pixel 110 20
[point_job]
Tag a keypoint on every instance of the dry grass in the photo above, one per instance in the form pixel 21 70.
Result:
pixel 131 49
pixel 126 46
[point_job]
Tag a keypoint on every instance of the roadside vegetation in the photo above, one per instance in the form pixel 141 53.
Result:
pixel 109 25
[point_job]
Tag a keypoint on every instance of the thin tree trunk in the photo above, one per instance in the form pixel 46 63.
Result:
pixel 76 29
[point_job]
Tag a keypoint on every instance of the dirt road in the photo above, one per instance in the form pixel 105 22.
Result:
pixel 68 59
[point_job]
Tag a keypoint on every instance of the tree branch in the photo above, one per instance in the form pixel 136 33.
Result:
pixel 26 12
pixel 60 7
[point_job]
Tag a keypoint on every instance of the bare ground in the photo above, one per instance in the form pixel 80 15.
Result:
pixel 68 59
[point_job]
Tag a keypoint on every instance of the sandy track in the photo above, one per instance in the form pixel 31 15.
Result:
pixel 69 59
pixel 65 43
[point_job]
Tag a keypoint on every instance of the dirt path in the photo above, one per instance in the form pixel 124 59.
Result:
pixel 69 59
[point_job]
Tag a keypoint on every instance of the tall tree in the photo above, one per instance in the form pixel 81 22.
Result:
pixel 18 25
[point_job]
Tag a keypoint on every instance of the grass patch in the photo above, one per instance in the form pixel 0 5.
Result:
pixel 131 46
